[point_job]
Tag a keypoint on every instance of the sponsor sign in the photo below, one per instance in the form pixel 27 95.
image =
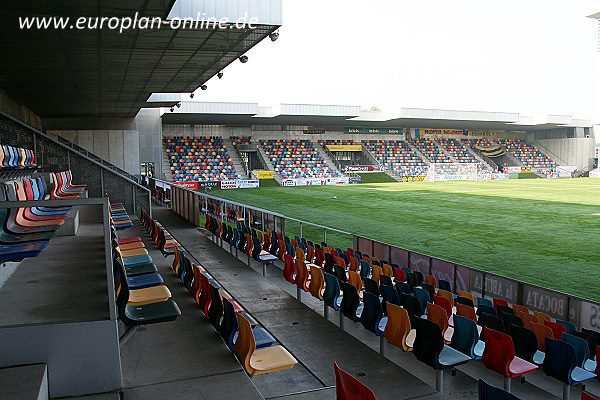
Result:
pixel 442 270
pixel 247 184
pixel 414 178
pixel 375 131
pixel 481 133
pixel 315 181
pixel 262 174
pixel 364 168
pixel 428 132
pixel 589 315
pixel 209 185
pixel 314 131
pixel 343 180
pixel 288 182
pixel 495 286
pixel 595 173
pixel 419 262
pixel 552 303
pixel 344 147
pixel 229 184
pixel 188 185
pixel 354 180
pixel 566 171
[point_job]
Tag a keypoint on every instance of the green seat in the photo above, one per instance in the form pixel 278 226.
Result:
pixel 152 313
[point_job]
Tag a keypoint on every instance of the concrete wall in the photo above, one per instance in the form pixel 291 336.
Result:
pixel 149 126
pixel 573 151
pixel 119 147
pixel 19 111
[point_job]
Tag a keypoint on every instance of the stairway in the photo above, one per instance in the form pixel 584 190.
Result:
pixel 268 164
pixel 235 158
pixel 373 160
pixel 166 168
pixel 326 157
pixel 27 382
pixel 481 159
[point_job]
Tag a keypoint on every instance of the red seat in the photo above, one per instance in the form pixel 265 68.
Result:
pixel 348 387
pixel 557 329
pixel 499 356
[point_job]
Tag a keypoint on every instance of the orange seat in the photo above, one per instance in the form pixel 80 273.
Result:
pixel 398 331
pixel 316 285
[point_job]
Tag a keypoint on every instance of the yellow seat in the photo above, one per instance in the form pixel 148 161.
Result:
pixel 134 252
pixel 466 295
pixel 154 294
pixel 354 280
pixel 259 361
pixel 388 270
pixel 376 272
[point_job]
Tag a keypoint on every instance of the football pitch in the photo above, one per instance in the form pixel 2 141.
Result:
pixel 542 231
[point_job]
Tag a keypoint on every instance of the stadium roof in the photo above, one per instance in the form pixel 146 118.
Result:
pixel 324 116
pixel 103 72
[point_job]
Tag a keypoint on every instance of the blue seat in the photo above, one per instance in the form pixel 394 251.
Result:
pixel 560 363
pixel 372 314
pixel 484 309
pixel 229 329
pixel 350 306
pixel 429 348
pixel 423 296
pixel 137 260
pixel 568 325
pixel 365 270
pixel 331 295
pixel 466 338
pixel 484 302
pixel 582 351
pixel 144 281
pixel 444 285
pixel 489 392
pixel 389 295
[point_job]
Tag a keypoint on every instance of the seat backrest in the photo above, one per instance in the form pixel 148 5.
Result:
pixel 483 309
pixel 430 280
pixel 569 326
pixel 582 351
pixel 525 342
pixel 557 329
pixel 399 275
pixel 444 285
pixel 376 272
pixel 389 295
pixel 481 301
pixel 372 313
pixel 499 351
pixel 465 335
pixel 588 396
pixel 466 311
pixel 340 273
pixel 591 340
pixel 464 300
pixel 541 316
pixel 245 344
pixel 354 280
pixel 350 301
pixel 423 296
pixel 371 286
pixel 559 360
pixel 444 303
pixel 289 268
pixel 519 309
pixel 438 315
pixel 317 282
pixel 491 322
pixel 428 343
pixel 387 270
pixel 301 275
pixel 365 269
pixel 489 392
pixel 528 318
pixel 332 291
pixel 499 302
pixel 397 327
pixel 228 326
pixel 447 295
pixel 412 306
pixel 466 295
pixel 348 387
pixel 541 333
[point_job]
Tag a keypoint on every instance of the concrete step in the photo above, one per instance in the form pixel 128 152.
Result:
pixel 235 158
pixel 27 382
pixel 326 157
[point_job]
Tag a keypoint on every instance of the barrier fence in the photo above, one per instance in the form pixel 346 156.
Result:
pixel 192 205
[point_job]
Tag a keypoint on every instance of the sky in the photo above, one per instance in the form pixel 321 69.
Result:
pixel 529 56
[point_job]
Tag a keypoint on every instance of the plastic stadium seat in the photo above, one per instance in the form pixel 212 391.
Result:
pixel 466 338
pixel 348 387
pixel 398 330
pixel 259 361
pixel 489 392
pixel 557 329
pixel 499 356
pixel 350 306
pixel 372 317
pixel 588 396
pixel 466 311
pixel 560 363
pixel 526 345
pixel 331 295
pixel 429 348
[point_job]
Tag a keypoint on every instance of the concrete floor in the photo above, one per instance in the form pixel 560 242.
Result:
pixel 35 293
pixel 186 359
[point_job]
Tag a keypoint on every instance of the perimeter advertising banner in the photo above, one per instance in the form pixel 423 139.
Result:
pixel 263 174
pixel 315 181
pixel 240 184
pixel 188 185
pixel 375 131
pixel 436 132
pixel 414 178
pixel 344 147
pixel 364 168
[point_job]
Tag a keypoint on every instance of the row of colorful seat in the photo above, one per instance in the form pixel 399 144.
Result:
pixel 27 231
pixel 397 156
pixel 199 158
pixel 297 159
pixel 390 300
pixel 528 154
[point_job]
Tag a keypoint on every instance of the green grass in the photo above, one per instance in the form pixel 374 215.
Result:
pixel 541 231
pixel 376 177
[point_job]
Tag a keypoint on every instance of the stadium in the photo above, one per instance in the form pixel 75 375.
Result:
pixel 160 243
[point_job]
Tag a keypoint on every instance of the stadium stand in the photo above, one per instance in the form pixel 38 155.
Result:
pixel 528 155
pixel 397 156
pixel 198 158
pixel 431 150
pixel 297 159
